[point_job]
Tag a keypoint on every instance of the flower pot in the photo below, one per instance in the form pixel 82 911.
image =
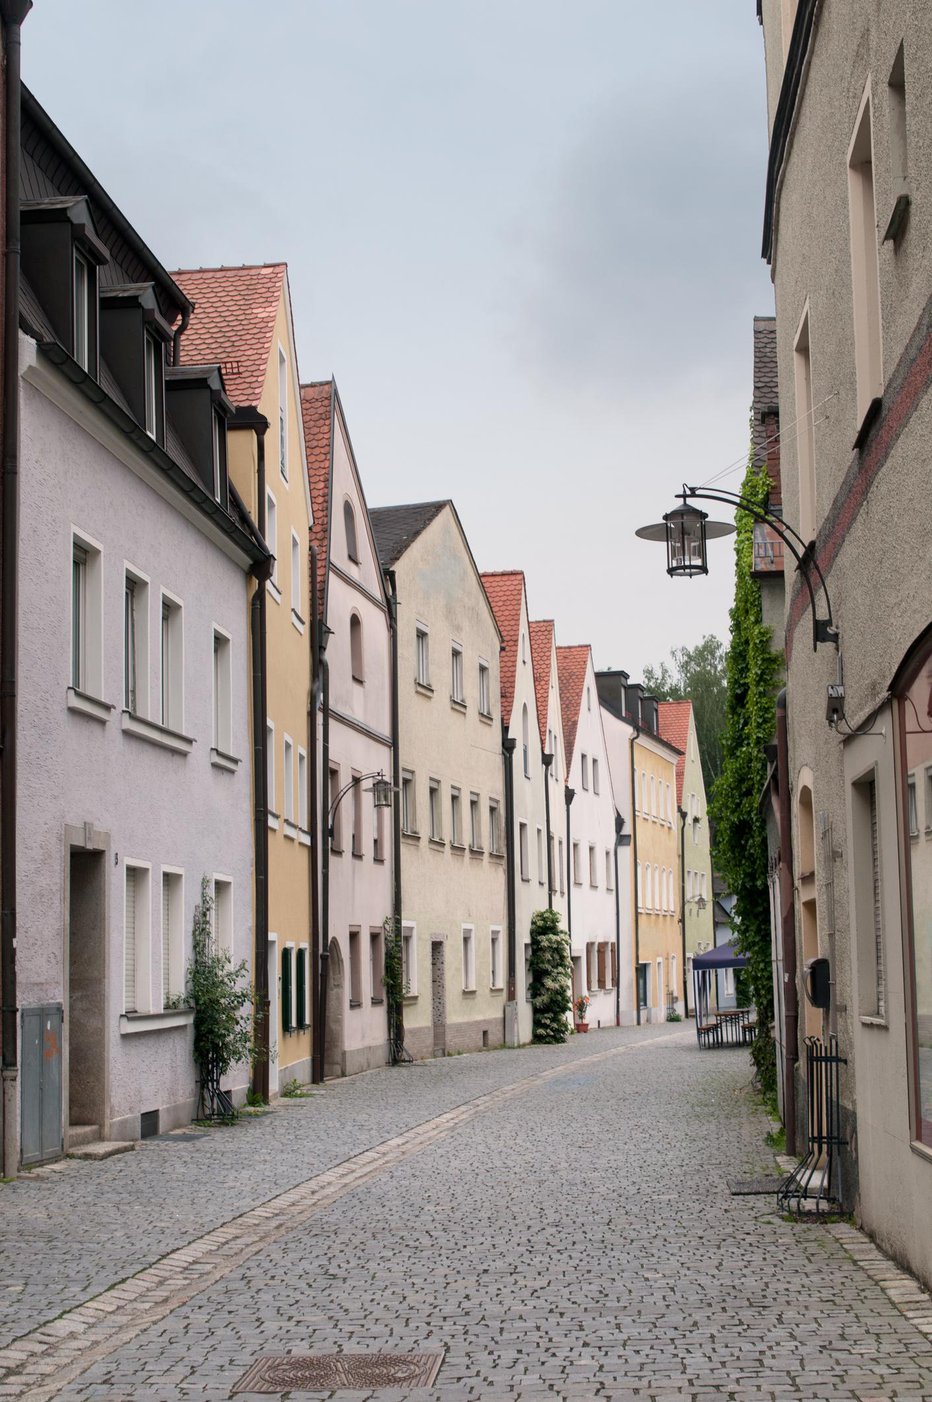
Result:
pixel 582 1027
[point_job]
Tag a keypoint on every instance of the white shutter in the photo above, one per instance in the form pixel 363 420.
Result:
pixel 129 943
pixel 166 938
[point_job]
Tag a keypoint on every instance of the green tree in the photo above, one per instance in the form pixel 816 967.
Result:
pixel 551 977
pixel 753 672
pixel 697 674
pixel 222 999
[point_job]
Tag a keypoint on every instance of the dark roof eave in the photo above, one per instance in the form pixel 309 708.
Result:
pixel 790 89
pixel 140 439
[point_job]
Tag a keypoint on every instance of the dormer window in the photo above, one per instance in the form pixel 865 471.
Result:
pixel 85 282
pixel 153 366
pixel 216 430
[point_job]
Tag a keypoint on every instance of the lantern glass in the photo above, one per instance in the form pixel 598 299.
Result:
pixel 686 541
pixel 382 793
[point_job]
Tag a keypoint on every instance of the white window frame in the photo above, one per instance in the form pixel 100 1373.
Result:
pixel 457 682
pixel 593 866
pixel 485 688
pixel 221 914
pixel 540 856
pixel 408 802
pixel 151 366
pixel 456 816
pixel 171 688
pixel 584 770
pixel 421 654
pixel 496 963
pixel 140 975
pixel 87 617
pixel 475 823
pixel 172 940
pixel 435 809
pixel 468 939
pixel 138 644
pixel 865 263
pixel 288 777
pixel 271 540
pixel 302 790
pixel 270 772
pixel 523 853
pixel 595 775
pixel 222 688
pixel 297 616
pixel 409 958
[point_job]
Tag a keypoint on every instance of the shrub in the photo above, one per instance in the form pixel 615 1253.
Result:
pixel 220 993
pixel 551 977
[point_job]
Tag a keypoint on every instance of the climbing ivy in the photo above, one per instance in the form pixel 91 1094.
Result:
pixel 551 977
pixel 753 671
pixel 393 978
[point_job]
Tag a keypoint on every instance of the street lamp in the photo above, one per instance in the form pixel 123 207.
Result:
pixel 381 791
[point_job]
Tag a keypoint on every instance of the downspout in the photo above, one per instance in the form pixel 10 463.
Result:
pixel 508 751
pixel 258 621
pixel 634 836
pixel 13 14
pixel 324 834
pixel 397 1033
pixel 682 817
pixel 177 334
pixel 568 796
pixel 788 930
pixel 547 762
pixel 317 1070
pixel 619 824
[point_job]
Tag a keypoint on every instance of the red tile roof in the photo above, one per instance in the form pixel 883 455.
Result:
pixel 505 592
pixel 571 670
pixel 233 323
pixel 317 406
pixel 674 728
pixel 541 646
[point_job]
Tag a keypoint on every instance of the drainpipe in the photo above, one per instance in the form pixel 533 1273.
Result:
pixel 317 1070
pixel 568 796
pixel 177 334
pixel 259 637
pixel 634 833
pixel 12 14
pixel 682 817
pixel 324 834
pixel 619 825
pixel 508 750
pixel 788 931
pixel 396 1034
pixel 547 762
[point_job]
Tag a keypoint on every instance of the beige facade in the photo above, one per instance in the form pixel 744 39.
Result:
pixel 677 721
pixel 454 908
pixel 659 943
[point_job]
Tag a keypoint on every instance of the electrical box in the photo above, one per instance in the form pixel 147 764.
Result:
pixel 818 985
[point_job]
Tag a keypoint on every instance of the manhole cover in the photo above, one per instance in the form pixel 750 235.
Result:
pixel 754 1187
pixel 318 1372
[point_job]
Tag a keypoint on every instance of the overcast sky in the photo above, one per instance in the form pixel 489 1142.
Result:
pixel 524 235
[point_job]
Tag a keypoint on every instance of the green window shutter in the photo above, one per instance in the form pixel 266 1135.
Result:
pixel 301 988
pixel 287 1000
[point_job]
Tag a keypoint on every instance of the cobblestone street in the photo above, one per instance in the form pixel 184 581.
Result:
pixel 555 1222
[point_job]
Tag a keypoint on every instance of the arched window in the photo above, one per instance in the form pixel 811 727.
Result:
pixel 349 524
pixel 525 742
pixel 356 656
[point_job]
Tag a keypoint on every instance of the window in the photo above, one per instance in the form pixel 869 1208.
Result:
pixel 357 815
pixel 485 689
pixel 584 770
pixel 523 852
pixel 288 773
pixel 495 827
pixel 336 816
pixel 282 414
pixel 614 966
pixel 540 856
pixel 899 169
pixel 456 818
pixel 172 934
pixel 595 777
pixel 408 805
pixel 913 814
pixel 376 965
pixel 422 655
pixel 287 989
pixel 634 777
pixel 86 616
pixel 270 767
pixel 85 296
pixel 523 649
pixel 469 959
pixel 136 982
pixel 609 873
pixel 639 887
pixel 222 738
pixel 135 645
pixel 222 914
pixel 436 821
pixel 590 954
pixel 588 698
pixel 656 888
pixel 593 866
pixel 646 904
pixel 172 662
pixel 302 790
pixel 865 277
pixel 577 865
pixel 296 579
pixel 456 674
pixel 409 960
pixel 601 961
pixel 301 988
pixel 216 429
pixel 349 526
pixel 805 429
pixel 356 657
pixel 561 868
pixel 653 798
pixel 153 378
pixel 271 537
pixel 525 742
pixel 475 824
pixel 495 957
pixel 355 970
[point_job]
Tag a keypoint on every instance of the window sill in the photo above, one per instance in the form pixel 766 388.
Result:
pixel 411 836
pixel 357 856
pixel 157 734
pixel 354 1004
pixel 220 760
pixel 526 880
pixel 273 591
pixel 486 716
pixel 273 821
pixel 376 1002
pixel 424 688
pixel 360 681
pixel 458 705
pixel 476 851
pixel 410 997
pixel 380 861
pixel 469 993
pixel 496 988
pixel 88 705
pixel 297 621
pixel 437 842
pixel 457 846
pixel 131 1023
pixel 289 829
pixel 497 856
pixel 304 837
pixel 868 1021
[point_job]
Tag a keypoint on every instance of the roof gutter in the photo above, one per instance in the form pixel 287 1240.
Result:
pixel 797 60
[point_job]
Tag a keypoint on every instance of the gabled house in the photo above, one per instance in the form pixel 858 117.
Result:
pixel 553 756
pixel 453 873
pixel 355 745
pixel 525 816
pixel 620 734
pixel 132 701
pixel 677 721
pixel 242 318
pixel 592 915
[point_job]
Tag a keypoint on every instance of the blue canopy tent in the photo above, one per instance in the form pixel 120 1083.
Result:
pixel 715 1027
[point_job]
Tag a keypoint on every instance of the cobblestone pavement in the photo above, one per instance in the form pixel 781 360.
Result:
pixel 556 1222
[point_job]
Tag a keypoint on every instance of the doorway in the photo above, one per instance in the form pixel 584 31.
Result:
pixel 86 1017
pixel 438 996
pixel 333 1043
pixel 274 1025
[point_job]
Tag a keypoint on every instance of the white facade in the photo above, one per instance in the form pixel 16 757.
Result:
pixel 618 736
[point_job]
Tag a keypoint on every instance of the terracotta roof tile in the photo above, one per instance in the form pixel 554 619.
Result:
pixel 233 323
pixel 571 669
pixel 505 592
pixel 673 719
pixel 317 403
pixel 541 653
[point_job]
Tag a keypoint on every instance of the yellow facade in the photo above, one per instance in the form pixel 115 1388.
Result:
pixel 659 943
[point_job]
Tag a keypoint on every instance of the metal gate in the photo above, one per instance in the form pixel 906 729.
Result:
pixel 815 1184
pixel 41 1111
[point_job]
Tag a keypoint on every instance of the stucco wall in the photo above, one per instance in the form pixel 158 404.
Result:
pixel 618 736
pixel 658 844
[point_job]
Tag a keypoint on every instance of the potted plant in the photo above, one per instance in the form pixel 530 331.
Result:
pixel 581 1007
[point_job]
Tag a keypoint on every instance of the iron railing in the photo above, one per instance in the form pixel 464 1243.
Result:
pixel 815 1183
